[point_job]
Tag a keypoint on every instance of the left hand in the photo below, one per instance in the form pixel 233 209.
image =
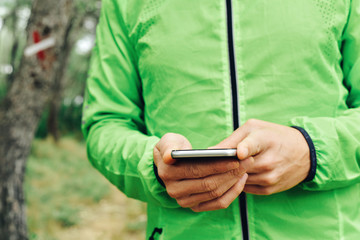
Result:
pixel 280 155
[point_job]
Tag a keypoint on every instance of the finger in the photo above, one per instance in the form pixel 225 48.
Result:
pixel 225 200
pixel 266 179
pixel 259 190
pixel 247 164
pixel 211 185
pixel 195 199
pixel 241 133
pixel 156 155
pixel 232 140
pixel 263 162
pixel 252 145
pixel 169 142
pixel 187 169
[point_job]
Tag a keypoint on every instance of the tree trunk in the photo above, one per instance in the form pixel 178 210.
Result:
pixel 58 82
pixel 21 109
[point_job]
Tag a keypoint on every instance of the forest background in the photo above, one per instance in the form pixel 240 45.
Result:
pixel 65 197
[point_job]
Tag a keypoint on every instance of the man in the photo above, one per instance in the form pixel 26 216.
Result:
pixel 278 80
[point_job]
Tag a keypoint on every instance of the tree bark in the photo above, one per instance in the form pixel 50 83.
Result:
pixel 21 109
pixel 59 81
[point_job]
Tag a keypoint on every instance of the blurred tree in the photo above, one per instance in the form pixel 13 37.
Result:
pixel 21 109
pixel 13 21
pixel 84 11
pixel 62 114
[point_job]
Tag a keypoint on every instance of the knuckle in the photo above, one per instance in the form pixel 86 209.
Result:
pixel 164 175
pixel 267 181
pixel 223 204
pixel 237 172
pixel 267 191
pixel 172 192
pixel 209 184
pixel 267 164
pixel 194 171
pixel 218 168
pixel 183 203
pixel 234 172
pixel 196 209
pixel 234 164
pixel 168 138
pixel 169 135
pixel 215 193
pixel 247 163
pixel 252 122
pixel 257 147
pixel 266 167
pixel 270 180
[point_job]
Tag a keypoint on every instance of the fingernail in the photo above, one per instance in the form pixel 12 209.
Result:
pixel 243 153
pixel 168 159
pixel 245 176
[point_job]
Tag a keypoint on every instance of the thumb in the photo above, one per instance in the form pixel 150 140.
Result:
pixel 250 146
pixel 169 142
pixel 233 140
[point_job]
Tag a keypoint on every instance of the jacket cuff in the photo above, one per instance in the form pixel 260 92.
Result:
pixel 313 160
pixel 157 175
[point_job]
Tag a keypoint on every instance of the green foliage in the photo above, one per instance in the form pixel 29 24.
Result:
pixel 69 120
pixel 66 215
pixel 3 88
pixel 42 132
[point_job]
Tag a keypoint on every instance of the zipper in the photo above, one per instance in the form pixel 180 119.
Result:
pixel 235 108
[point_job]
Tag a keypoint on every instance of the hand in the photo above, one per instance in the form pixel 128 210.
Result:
pixel 201 185
pixel 280 156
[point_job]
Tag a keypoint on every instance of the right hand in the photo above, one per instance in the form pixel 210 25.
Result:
pixel 202 185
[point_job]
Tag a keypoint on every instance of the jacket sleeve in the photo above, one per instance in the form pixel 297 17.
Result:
pixel 113 122
pixel 337 140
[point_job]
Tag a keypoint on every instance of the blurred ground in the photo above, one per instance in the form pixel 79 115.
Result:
pixel 68 199
pixel 114 217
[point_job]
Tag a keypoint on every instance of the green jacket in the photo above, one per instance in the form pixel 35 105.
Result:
pixel 164 66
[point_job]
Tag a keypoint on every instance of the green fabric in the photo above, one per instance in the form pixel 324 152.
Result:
pixel 162 66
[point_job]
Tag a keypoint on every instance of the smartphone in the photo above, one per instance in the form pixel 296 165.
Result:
pixel 204 153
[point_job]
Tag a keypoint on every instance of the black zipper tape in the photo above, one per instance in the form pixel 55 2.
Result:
pixel 235 109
